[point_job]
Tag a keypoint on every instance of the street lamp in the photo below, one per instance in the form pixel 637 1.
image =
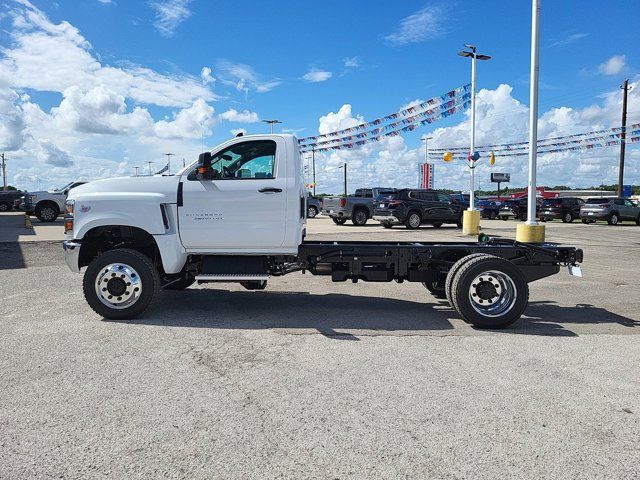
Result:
pixel 471 222
pixel 271 124
pixel 426 158
pixel 169 155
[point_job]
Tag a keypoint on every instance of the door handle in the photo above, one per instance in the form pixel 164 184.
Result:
pixel 270 190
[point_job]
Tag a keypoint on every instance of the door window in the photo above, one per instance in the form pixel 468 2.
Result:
pixel 443 198
pixel 255 159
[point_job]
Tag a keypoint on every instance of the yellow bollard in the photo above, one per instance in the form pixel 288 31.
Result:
pixel 530 233
pixel 470 222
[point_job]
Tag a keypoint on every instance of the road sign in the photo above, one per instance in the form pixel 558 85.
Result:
pixel 500 177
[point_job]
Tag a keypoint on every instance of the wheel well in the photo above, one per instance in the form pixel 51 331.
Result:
pixel 364 208
pixel 414 210
pixel 108 237
pixel 47 203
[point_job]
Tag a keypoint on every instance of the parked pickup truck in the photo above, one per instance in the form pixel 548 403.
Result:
pixel 238 215
pixel 47 205
pixel 358 207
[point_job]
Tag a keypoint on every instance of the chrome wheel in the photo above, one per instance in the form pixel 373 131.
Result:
pixel 48 214
pixel 360 218
pixel 492 293
pixel 118 286
pixel 414 220
pixel 311 212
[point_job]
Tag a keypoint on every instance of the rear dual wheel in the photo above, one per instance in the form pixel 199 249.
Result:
pixel 487 291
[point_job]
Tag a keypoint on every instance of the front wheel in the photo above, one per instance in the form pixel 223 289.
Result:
pixel 490 292
pixel 120 284
pixel 339 220
pixel 47 213
pixel 413 221
pixel 4 207
pixel 312 212
pixel 567 217
pixel 613 219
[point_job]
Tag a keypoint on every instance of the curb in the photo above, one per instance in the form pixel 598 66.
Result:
pixel 27 222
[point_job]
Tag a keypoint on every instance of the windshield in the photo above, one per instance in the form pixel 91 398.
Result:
pixel 551 202
pixel 387 195
pixel 598 201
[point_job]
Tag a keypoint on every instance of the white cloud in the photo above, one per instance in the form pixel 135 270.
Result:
pixel 12 122
pixel 244 78
pixel 106 1
pixel 53 57
pixel 425 24
pixel 352 62
pixel 51 154
pixel 613 65
pixel 574 37
pixel 190 122
pixel 206 76
pixel 245 116
pixel 500 119
pixel 314 75
pixel 170 14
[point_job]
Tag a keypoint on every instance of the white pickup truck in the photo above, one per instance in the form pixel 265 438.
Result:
pixel 47 205
pixel 238 215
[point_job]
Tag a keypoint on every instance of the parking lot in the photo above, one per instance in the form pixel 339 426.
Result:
pixel 313 379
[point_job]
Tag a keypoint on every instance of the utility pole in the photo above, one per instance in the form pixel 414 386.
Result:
pixel 623 134
pixel 136 169
pixel 4 172
pixel 169 162
pixel 313 162
pixel 271 124
pixel 150 162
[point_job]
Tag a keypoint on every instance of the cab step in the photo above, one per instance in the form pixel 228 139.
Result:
pixel 232 277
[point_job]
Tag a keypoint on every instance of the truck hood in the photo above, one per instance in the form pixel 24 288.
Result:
pixel 163 189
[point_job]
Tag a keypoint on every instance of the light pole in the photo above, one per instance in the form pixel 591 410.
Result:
pixel 344 168
pixel 4 172
pixel 474 56
pixel 169 162
pixel 426 158
pixel 150 162
pixel 271 124
pixel 313 162
pixel 531 231
pixel 136 169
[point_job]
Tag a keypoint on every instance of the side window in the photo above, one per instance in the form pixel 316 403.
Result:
pixel 628 203
pixel 247 160
pixel 444 198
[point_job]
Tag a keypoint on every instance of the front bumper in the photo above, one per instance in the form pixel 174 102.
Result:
pixel 72 254
pixel 594 215
pixel 27 207
pixel 386 219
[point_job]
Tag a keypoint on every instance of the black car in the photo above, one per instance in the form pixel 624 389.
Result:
pixel 516 208
pixel 413 207
pixel 565 208
pixel 8 198
pixel 488 208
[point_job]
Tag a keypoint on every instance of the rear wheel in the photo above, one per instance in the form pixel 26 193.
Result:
pixel 312 211
pixel 490 292
pixel 613 219
pixel 120 283
pixel 413 220
pixel 4 207
pixel 435 288
pixel 339 220
pixel 47 212
pixel 567 217
pixel 585 221
pixel 360 217
pixel 454 270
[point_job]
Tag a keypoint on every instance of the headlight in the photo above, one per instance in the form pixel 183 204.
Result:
pixel 69 206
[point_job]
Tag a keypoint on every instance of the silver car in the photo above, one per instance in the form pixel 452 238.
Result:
pixel 612 210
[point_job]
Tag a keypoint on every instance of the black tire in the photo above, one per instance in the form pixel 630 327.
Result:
pixel 459 223
pixel 413 220
pixel 149 278
pixel 493 216
pixel 47 212
pixel 254 284
pixel 387 225
pixel 543 220
pixel 614 219
pixel 454 270
pixel 638 220
pixel 360 217
pixel 510 295
pixel 567 217
pixel 436 224
pixel 339 220
pixel 312 211
pixel 504 218
pixel 5 207
pixel 585 221
pixel 435 288
pixel 180 284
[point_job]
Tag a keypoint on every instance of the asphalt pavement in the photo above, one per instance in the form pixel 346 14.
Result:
pixel 313 379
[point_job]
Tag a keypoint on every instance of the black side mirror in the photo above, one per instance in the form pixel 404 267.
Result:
pixel 204 170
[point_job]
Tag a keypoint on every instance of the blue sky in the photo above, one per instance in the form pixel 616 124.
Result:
pixel 298 61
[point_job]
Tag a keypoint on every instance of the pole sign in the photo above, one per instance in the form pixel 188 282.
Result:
pixel 626 190
pixel 500 177
pixel 426 175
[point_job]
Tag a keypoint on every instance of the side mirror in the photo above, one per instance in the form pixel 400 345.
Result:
pixel 204 170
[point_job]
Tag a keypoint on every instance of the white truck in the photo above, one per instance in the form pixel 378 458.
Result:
pixel 238 215
pixel 47 205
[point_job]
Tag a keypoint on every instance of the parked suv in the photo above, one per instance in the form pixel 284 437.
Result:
pixel 613 210
pixel 413 207
pixel 565 208
pixel 516 208
pixel 47 205
pixel 488 208
pixel 313 206
pixel 8 198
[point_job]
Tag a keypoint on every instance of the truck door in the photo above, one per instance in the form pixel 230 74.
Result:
pixel 243 206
